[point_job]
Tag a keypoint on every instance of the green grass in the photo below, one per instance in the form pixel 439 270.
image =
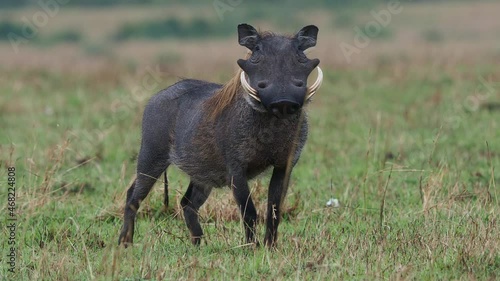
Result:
pixel 414 168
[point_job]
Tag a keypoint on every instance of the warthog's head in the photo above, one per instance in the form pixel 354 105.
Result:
pixel 275 74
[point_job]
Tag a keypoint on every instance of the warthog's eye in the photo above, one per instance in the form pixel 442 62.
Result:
pixel 255 58
pixel 256 55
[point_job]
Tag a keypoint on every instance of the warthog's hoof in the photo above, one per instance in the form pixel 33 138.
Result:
pixel 270 244
pixel 125 239
pixel 196 240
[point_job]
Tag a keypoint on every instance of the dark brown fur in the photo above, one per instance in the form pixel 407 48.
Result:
pixel 219 136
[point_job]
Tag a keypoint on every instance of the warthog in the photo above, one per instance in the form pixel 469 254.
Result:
pixel 227 134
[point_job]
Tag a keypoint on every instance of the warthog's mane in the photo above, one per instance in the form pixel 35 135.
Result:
pixel 226 95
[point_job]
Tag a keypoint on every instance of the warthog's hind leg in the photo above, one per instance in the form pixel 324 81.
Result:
pixel 149 169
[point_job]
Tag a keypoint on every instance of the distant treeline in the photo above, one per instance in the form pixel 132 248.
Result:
pixel 173 28
pixel 96 3
pixel 197 26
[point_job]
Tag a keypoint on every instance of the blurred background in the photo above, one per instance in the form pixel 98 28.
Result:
pixel 192 38
pixel 407 119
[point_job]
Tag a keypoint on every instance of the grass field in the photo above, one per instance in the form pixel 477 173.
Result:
pixel 409 147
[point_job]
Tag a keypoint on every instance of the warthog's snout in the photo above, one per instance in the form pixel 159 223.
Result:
pixel 284 108
pixel 282 99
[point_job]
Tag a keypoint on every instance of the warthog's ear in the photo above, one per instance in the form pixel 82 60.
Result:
pixel 248 36
pixel 306 37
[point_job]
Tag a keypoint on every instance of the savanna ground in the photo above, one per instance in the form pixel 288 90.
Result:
pixel 406 136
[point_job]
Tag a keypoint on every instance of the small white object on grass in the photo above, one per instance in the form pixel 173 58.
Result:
pixel 333 202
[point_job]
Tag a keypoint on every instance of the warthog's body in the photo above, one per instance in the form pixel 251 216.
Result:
pixel 185 125
pixel 176 127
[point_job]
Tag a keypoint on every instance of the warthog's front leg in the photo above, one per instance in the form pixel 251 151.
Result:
pixel 241 193
pixel 194 198
pixel 276 195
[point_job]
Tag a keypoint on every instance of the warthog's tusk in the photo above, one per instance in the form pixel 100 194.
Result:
pixel 310 90
pixel 250 91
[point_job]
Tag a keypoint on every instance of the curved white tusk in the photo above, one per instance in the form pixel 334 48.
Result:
pixel 311 91
pixel 250 91
pixel 314 87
